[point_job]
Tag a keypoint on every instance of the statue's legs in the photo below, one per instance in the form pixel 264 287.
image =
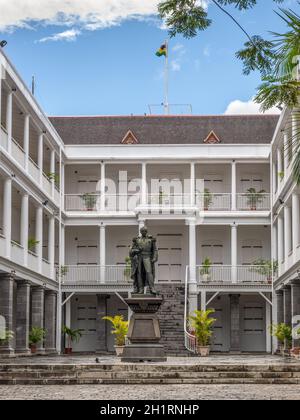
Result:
pixel 149 275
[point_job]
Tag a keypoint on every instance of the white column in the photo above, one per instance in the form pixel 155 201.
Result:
pixel 9 104
pixel 40 156
pixel 296 222
pixel 203 300
pixel 193 180
pixel 24 226
pixel 62 245
pixel 102 242
pixel 7 204
pixel 63 185
pixel 286 152
pixel 193 296
pixel 51 245
pixel 68 317
pixel 279 167
pixel 233 186
pixel 234 253
pixel 268 324
pixel 102 186
pixel 295 132
pixel 39 235
pixel 280 246
pixel 144 183
pixel 275 242
pixel 52 171
pixel 274 177
pixel 26 139
pixel 287 232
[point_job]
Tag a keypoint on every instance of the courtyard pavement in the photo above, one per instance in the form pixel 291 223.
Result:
pixel 151 392
pixel 241 359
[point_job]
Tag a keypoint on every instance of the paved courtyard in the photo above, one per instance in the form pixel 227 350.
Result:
pixel 151 392
pixel 243 359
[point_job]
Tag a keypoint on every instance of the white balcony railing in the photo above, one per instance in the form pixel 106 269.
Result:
pixel 17 252
pixel 254 202
pixel 228 274
pixel 214 201
pixel 47 185
pixel 95 275
pixel 3 138
pixel 92 202
pixel 17 152
pixel 34 170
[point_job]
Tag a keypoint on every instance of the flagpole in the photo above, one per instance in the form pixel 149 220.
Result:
pixel 166 104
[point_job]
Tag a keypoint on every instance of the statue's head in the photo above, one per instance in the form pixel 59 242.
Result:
pixel 134 240
pixel 144 231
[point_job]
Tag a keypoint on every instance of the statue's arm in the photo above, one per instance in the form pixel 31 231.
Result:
pixel 154 251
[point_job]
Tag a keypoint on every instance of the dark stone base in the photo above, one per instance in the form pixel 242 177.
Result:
pixel 137 353
pixel 144 330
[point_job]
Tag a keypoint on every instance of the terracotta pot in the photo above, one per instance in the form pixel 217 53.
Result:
pixel 33 348
pixel 68 350
pixel 203 351
pixel 119 350
pixel 295 351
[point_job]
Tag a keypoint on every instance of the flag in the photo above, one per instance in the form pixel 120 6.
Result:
pixel 162 51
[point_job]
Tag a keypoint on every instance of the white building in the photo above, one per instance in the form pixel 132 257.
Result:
pixel 74 191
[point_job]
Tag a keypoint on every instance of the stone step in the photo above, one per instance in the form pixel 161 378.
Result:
pixel 149 381
pixel 148 375
pixel 136 368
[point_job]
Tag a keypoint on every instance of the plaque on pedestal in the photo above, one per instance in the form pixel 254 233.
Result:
pixel 144 330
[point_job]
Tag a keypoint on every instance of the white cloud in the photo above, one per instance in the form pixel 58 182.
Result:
pixel 178 47
pixel 87 14
pixel 247 107
pixel 70 35
pixel 175 65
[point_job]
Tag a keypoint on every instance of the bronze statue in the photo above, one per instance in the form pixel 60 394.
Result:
pixel 143 255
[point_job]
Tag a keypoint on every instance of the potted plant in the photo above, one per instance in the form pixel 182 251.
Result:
pixel 90 201
pixel 64 270
pixel 202 323
pixel 205 269
pixel 73 337
pixel 5 336
pixel 254 198
pixel 127 270
pixel 53 177
pixel 36 335
pixel 32 243
pixel 283 333
pixel 266 268
pixel 207 199
pixel 120 330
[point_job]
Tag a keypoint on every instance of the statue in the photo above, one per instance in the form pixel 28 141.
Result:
pixel 143 255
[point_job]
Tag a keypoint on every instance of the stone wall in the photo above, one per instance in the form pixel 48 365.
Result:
pixel 171 317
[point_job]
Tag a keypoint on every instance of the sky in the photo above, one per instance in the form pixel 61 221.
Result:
pixel 97 57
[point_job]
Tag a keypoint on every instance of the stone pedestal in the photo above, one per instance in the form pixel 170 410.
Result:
pixel 144 330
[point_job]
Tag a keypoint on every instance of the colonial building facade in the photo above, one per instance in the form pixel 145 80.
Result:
pixel 216 192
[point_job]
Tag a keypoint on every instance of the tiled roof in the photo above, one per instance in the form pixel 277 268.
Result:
pixel 235 129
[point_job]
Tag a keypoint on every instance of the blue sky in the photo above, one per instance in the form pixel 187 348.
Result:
pixel 110 67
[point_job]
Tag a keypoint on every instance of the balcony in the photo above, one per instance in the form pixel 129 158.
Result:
pixel 210 202
pixel 95 275
pixel 228 274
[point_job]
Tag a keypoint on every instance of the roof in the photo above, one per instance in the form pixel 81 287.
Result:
pixel 106 130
